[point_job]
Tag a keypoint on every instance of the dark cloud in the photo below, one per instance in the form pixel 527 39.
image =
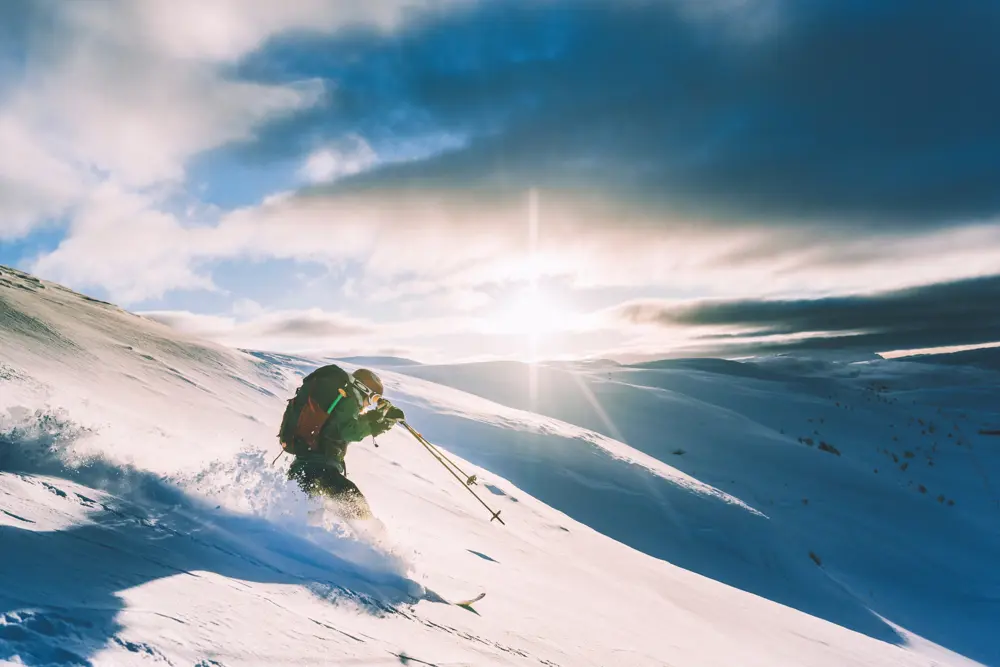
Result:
pixel 293 324
pixel 880 115
pixel 957 313
pixel 307 325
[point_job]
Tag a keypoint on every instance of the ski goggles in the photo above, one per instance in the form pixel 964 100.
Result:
pixel 366 392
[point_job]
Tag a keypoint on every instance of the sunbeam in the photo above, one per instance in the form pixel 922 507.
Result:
pixel 594 403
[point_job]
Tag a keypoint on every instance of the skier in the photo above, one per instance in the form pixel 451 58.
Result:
pixel 326 414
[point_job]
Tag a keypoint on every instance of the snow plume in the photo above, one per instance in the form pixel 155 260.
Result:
pixel 249 483
pixel 45 443
pixel 50 444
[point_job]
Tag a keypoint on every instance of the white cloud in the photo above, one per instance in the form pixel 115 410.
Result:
pixel 105 89
pixel 442 252
pixel 324 332
pixel 350 156
pixel 246 308
pixel 133 90
pixel 224 30
pixel 210 327
pixel 34 182
pixel 120 241
pixel 285 329
pixel 431 294
pixel 465 299
pixel 429 243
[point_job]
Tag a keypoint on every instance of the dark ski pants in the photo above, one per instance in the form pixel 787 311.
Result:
pixel 317 477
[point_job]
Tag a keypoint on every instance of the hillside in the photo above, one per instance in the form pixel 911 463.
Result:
pixel 702 512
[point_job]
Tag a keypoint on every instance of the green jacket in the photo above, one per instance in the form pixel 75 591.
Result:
pixel 345 423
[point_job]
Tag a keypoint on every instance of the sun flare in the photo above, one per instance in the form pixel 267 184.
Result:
pixel 530 313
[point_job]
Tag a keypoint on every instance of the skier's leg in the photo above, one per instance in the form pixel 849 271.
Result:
pixel 343 492
pixel 320 478
pixel 304 472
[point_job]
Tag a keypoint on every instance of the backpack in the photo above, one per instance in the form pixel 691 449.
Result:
pixel 308 411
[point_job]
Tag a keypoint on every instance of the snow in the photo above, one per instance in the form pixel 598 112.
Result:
pixel 660 514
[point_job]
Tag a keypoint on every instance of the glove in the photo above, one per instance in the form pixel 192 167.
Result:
pixel 389 411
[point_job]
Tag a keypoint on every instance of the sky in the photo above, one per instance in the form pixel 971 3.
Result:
pixel 452 180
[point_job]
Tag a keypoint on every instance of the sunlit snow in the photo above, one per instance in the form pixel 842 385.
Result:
pixel 782 511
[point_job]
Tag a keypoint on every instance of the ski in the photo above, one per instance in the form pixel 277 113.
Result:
pixel 431 596
pixel 470 601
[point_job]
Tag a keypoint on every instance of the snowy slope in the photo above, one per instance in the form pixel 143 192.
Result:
pixel 141 520
pixel 876 467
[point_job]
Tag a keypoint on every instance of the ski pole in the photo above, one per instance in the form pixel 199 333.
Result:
pixel 441 459
pixel 445 461
pixel 469 479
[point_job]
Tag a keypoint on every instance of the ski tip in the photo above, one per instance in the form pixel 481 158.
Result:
pixel 471 601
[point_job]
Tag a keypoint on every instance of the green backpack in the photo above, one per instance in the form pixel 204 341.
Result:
pixel 307 412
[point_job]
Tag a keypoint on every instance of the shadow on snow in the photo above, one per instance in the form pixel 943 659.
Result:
pixel 60 590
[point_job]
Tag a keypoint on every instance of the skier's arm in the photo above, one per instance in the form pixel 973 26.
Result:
pixel 383 417
pixel 356 428
pixel 378 423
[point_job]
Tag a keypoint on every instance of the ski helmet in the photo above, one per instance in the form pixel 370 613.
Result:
pixel 369 380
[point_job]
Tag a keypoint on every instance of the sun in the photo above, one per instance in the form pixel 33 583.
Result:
pixel 529 313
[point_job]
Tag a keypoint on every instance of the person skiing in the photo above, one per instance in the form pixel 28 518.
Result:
pixel 326 413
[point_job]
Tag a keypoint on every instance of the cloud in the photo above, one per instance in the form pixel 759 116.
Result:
pixel 309 324
pixel 314 328
pixel 939 315
pixel 121 241
pixel 422 242
pixel 447 251
pixel 761 113
pixel 677 144
pixel 211 327
pixel 352 156
pixel 110 101
pixel 226 30
pixel 112 89
pixel 762 147
pixel 114 97
pixel 317 331
pixel 35 183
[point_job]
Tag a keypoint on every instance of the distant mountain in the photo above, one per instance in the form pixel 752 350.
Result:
pixel 983 357
pixel 584 364
pixel 708 365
